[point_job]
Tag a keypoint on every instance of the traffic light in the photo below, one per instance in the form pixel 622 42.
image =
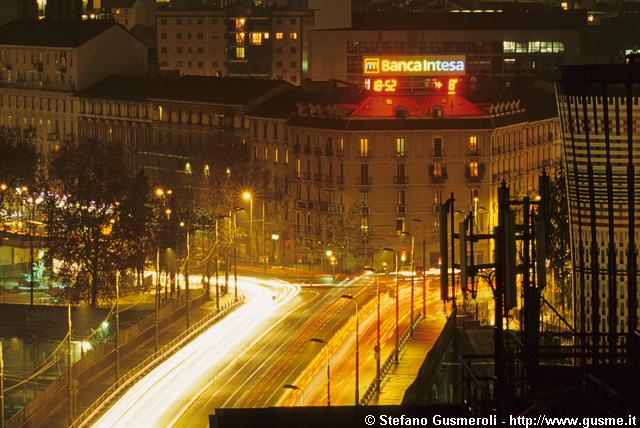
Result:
pixel 444 259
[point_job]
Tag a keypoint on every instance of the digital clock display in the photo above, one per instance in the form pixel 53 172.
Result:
pixel 381 85
pixel 391 85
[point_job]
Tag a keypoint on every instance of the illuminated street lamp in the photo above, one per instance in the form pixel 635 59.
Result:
pixel 413 268
pixel 247 196
pixel 326 348
pixel 295 388
pixel 350 297
pixel 424 268
pixel 332 262
pixel 377 348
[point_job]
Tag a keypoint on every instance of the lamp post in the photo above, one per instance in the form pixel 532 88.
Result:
pixel 274 239
pixel 397 332
pixel 186 271
pixel 413 268
pixel 350 297
pixel 247 196
pixel 117 367
pixel 424 269
pixel 332 262
pixel 326 348
pixel 232 218
pixel 377 349
pixel 295 388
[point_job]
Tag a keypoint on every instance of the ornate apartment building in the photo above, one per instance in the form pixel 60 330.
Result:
pixel 43 63
pixel 374 169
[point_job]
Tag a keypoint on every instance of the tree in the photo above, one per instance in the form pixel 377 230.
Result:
pixel 93 218
pixel 18 168
pixel 559 250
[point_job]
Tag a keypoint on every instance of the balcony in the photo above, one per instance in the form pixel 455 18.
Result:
pixel 37 66
pixel 401 209
pixel 437 178
pixel 474 178
pixel 401 179
pixel 364 181
pixel 301 204
pixel 364 210
pixel 365 155
pixel 402 154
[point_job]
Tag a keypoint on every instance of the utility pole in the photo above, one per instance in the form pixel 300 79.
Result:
pixel 117 325
pixel 1 388
pixel 69 374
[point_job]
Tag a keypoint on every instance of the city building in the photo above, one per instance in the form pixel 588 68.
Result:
pixel 358 172
pixel 600 114
pixel 18 9
pixel 184 131
pixel 499 45
pixel 43 63
pixel 237 41
pixel 133 13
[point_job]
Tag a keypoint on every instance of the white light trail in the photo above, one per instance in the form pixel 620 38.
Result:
pixel 165 392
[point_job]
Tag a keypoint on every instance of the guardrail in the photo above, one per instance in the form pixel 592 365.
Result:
pixel 122 385
pixel 371 390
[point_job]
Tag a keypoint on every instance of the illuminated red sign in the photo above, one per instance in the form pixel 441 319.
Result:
pixel 381 85
pixel 431 65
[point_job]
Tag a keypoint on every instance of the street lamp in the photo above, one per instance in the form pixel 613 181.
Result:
pixel 424 268
pixel 186 270
pixel 247 196
pixel 377 348
pixel 274 239
pixel 332 262
pixel 295 388
pixel 397 303
pixel 413 268
pixel 326 348
pixel 350 297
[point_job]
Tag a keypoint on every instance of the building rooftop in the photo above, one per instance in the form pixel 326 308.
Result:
pixel 198 89
pixel 602 73
pixel 51 33
pixel 449 21
pixel 415 106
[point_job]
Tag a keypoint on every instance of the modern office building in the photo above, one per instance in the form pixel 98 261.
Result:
pixel 600 117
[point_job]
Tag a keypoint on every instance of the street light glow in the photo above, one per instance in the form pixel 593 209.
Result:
pixel 328 253
pixel 246 195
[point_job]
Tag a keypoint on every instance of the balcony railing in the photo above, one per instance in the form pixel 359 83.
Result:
pixel 401 179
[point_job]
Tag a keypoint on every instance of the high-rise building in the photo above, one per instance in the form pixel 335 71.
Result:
pixel 64 10
pixel 599 107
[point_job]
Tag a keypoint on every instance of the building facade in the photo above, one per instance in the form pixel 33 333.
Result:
pixel 238 41
pixel 600 114
pixel 371 174
pixel 43 63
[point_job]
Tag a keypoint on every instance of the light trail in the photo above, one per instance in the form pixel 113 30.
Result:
pixel 165 392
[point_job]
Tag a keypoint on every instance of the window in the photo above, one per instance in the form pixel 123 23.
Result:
pixel 240 23
pixel 179 49
pixel 473 145
pixel 163 49
pixel 163 36
pixel 199 36
pixel 199 21
pixel 401 197
pixel 473 195
pixel 364 173
pixel 200 64
pixel 400 225
pixel 292 21
pixel 239 52
pixel 163 21
pixel 279 49
pixel 179 36
pixel 400 172
pixel 179 21
pixel 364 198
pixel 279 36
pixel 364 147
pixel 200 49
pixel 400 147
pixel 437 197
pixel 256 39
pixel 275 156
pixel 293 49
pixel 364 225
pixel 293 36
pixel 266 154
pixel 437 146
pixel 286 156
pixel 239 38
pixel 437 168
pixel 473 169
pixel 298 168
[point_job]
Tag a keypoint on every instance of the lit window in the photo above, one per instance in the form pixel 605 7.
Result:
pixel 239 52
pixel 266 154
pixel 266 36
pixel 293 36
pixel 473 169
pixel 240 23
pixel 275 156
pixel 256 38
pixel 509 47
pixel 279 36
pixel 286 156
pixel 558 47
pixel 473 145
pixel 564 5
pixel 400 146
pixel 298 168
pixel 117 11
pixel 364 147
pixel 239 38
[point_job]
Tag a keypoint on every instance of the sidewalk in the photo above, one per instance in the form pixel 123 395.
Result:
pixel 400 377
pixel 91 390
